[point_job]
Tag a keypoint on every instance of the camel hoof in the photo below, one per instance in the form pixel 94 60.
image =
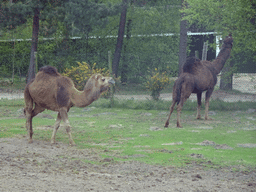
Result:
pixel 30 141
pixel 72 143
pixel 208 118
pixel 166 125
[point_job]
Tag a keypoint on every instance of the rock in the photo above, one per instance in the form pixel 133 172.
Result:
pixel 212 113
pixel 251 111
pixel 155 129
pixel 206 142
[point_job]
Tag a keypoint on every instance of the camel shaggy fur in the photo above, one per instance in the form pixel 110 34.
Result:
pixel 198 76
pixel 50 90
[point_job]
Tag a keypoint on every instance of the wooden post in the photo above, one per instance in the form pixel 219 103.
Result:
pixel 13 61
pixel 204 54
pixel 111 96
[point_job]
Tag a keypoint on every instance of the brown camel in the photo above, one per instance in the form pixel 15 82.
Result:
pixel 50 90
pixel 198 76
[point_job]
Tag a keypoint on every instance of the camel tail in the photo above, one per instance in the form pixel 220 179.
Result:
pixel 178 87
pixel 49 70
pixel 28 99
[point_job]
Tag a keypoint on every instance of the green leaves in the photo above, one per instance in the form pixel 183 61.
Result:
pixel 13 15
pixel 83 16
pixel 229 16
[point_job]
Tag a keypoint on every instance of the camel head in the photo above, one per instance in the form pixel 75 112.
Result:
pixel 228 41
pixel 99 82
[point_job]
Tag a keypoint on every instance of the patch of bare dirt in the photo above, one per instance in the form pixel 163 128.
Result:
pixel 41 166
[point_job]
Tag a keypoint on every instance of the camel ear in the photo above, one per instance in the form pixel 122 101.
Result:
pixel 98 76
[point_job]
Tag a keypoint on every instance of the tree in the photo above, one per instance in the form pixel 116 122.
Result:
pixel 18 12
pixel 119 44
pixel 35 31
pixel 84 16
pixel 183 41
pixel 229 16
pixel 124 69
pixel 145 45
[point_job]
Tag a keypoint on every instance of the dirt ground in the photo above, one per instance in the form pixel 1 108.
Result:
pixel 41 166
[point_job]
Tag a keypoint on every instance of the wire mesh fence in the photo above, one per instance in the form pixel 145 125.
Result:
pixel 13 69
pixel 244 89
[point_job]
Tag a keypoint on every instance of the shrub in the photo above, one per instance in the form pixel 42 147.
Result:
pixel 157 82
pixel 83 72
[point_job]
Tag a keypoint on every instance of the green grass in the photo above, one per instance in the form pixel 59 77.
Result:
pixel 14 85
pixel 126 134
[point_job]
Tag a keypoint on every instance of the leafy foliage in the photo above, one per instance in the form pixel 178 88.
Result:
pixel 98 32
pixel 83 72
pixel 229 16
pixel 13 14
pixel 83 16
pixel 157 82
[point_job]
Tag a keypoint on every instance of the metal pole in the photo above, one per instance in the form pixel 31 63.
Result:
pixel 111 87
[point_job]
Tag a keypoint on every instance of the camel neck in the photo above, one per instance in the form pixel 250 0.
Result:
pixel 84 98
pixel 222 57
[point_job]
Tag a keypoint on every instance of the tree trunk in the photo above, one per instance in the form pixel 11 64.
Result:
pixel 183 43
pixel 31 70
pixel 124 69
pixel 120 38
pixel 226 80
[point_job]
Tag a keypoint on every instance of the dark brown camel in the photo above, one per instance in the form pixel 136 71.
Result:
pixel 50 90
pixel 198 76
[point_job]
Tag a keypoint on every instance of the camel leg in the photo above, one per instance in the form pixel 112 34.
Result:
pixel 199 99
pixel 171 110
pixel 64 117
pixel 30 114
pixel 179 107
pixel 29 127
pixel 207 100
pixel 55 128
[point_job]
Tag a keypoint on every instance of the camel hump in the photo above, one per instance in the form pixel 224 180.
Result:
pixel 191 64
pixel 49 70
pixel 228 39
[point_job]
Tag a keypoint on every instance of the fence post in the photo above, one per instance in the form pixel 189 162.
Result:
pixel 204 54
pixel 111 96
pixel 13 61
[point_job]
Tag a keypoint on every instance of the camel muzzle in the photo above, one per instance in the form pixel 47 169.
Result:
pixel 111 81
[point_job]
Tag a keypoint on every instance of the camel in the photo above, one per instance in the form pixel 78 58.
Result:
pixel 50 90
pixel 198 76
